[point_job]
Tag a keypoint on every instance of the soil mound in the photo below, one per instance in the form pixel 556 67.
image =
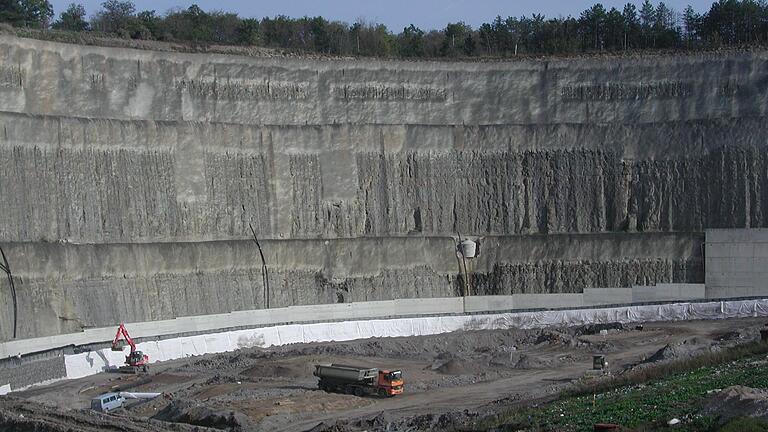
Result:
pixel 688 348
pixel 450 364
pixel 737 401
pixel 20 415
pixel 272 370
pixel 193 413
pixel 593 329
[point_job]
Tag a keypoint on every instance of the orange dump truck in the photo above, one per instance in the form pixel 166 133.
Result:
pixel 359 381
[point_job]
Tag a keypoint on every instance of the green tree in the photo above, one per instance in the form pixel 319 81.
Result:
pixel 455 38
pixel 148 25
pixel 632 30
pixel 196 25
pixel 592 25
pixel 487 39
pixel 36 13
pixel 26 13
pixel 378 41
pixel 734 22
pixel 647 21
pixel 411 42
pixel 72 19
pixel 222 27
pixel 691 24
pixel 278 31
pixel 248 32
pixel 665 28
pixel 116 16
pixel 318 31
pixel 11 12
pixel 469 46
pixel 338 38
pixel 726 22
pixel 614 30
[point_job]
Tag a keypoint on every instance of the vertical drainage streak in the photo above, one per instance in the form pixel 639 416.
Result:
pixel 7 269
pixel 264 274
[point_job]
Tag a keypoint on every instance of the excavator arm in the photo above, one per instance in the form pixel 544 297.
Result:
pixel 122 332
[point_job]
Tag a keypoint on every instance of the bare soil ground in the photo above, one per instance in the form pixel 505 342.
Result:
pixel 450 379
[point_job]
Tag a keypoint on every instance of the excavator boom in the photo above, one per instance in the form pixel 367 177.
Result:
pixel 121 331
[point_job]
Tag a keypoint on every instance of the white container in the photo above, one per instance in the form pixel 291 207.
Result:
pixel 468 248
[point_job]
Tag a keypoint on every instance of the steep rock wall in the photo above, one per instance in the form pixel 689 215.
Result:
pixel 130 179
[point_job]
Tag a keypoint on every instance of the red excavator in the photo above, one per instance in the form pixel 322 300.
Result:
pixel 134 361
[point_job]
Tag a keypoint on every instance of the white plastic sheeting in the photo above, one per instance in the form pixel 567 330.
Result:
pixel 131 395
pixel 381 309
pixel 84 364
pixel 5 389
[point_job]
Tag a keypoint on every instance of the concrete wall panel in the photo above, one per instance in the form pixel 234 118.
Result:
pixel 607 296
pixel 548 301
pixel 668 292
pixel 488 303
pixel 736 263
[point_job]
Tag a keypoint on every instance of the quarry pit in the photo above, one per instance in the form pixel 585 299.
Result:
pixel 134 183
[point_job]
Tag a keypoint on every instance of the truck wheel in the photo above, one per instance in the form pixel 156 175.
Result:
pixel 359 392
pixel 382 393
pixel 145 369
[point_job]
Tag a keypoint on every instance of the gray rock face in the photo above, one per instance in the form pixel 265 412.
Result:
pixel 129 179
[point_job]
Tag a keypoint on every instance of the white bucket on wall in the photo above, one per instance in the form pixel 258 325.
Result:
pixel 468 248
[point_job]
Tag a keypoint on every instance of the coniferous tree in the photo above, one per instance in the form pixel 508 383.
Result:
pixel 647 21
pixel 727 22
pixel 614 30
pixel 632 29
pixel 691 24
pixel 592 23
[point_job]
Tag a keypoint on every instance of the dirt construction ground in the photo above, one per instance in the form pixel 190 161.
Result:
pixel 450 379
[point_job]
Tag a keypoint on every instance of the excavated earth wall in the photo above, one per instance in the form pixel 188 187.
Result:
pixel 129 178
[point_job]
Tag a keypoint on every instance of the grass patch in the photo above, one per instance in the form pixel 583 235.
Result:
pixel 745 424
pixel 655 372
pixel 644 399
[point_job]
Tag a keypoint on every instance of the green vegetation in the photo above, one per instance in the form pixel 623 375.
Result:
pixel 745 425
pixel 675 390
pixel 597 29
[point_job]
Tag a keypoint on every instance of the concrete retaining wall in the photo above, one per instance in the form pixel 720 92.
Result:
pixel 361 310
pixel 736 263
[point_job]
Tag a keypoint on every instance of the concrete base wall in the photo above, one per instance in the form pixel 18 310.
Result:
pixel 362 310
pixel 736 263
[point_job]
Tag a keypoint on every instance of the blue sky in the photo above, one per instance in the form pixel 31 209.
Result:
pixel 396 14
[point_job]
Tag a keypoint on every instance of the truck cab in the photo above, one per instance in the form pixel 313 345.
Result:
pixel 390 382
